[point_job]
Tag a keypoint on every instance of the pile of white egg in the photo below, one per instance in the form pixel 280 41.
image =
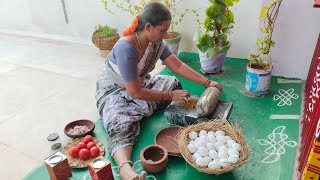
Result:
pixel 212 149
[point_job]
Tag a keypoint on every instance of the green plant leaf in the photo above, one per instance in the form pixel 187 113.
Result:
pixel 219 19
pixel 212 11
pixel 263 13
pixel 250 58
pixel 229 2
pixel 217 1
pixel 229 17
pixel 205 42
pixel 197 35
pixel 209 24
pixel 222 39
pixel 210 52
pixel 105 31
pixel 259 41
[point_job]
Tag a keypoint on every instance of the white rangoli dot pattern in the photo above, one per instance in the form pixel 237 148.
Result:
pixel 285 97
pixel 276 142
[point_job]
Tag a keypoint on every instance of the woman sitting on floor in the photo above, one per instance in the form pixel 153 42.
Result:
pixel 126 92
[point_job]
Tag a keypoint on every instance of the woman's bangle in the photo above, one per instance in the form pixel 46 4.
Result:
pixel 207 84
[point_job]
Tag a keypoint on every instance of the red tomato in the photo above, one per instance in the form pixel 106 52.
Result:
pixel 81 145
pixel 90 145
pixel 87 139
pixel 94 151
pixel 73 152
pixel 84 154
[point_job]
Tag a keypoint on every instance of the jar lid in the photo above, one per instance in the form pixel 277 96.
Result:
pixel 53 137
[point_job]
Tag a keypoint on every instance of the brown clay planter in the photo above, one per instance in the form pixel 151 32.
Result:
pixel 154 158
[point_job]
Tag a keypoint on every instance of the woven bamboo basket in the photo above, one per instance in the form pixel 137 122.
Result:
pixel 105 43
pixel 231 130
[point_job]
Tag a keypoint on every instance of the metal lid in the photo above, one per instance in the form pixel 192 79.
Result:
pixel 99 163
pixel 53 137
pixel 55 159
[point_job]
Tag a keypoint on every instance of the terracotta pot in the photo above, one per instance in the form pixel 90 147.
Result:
pixel 167 138
pixel 154 158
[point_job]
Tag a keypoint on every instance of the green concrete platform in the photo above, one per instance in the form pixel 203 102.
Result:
pixel 270 125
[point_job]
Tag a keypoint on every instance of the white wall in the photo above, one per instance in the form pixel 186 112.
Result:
pixel 295 33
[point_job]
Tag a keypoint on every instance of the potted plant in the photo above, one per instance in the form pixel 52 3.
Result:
pixel 260 64
pixel 104 38
pixel 213 43
pixel 173 37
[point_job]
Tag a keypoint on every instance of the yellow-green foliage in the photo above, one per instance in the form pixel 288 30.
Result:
pixel 105 31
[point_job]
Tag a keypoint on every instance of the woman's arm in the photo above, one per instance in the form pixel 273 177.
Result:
pixel 183 70
pixel 137 92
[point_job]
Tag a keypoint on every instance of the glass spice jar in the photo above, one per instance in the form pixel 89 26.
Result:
pixel 54 142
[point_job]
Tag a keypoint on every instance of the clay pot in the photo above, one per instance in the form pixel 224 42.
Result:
pixel 154 158
pixel 167 138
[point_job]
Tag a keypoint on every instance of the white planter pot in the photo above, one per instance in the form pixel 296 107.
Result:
pixel 212 65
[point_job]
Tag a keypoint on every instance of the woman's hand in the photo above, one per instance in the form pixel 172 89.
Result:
pixel 215 84
pixel 178 95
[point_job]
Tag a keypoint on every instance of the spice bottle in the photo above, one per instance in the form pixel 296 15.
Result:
pixel 54 142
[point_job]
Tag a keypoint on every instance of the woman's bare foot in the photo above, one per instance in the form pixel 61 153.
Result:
pixel 127 173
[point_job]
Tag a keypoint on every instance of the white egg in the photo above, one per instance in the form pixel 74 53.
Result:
pixel 233 152
pixel 211 133
pixel 210 146
pixel 222 155
pixel 224 163
pixel 233 158
pixel 201 162
pixel 227 138
pixel 204 139
pixel 213 154
pixel 219 133
pixel 199 144
pixel 197 139
pixel 216 160
pixel 203 133
pixel 197 151
pixel 214 165
pixel 218 145
pixel 223 148
pixel 193 135
pixel 192 142
pixel 203 151
pixel 220 139
pixel 236 146
pixel 208 160
pixel 196 156
pixel 191 148
pixel 230 142
pixel 223 160
pixel 211 138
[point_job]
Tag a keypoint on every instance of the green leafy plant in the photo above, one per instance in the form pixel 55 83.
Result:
pixel 218 24
pixel 136 7
pixel 105 31
pixel 262 59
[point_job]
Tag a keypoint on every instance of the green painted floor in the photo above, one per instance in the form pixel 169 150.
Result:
pixel 270 125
